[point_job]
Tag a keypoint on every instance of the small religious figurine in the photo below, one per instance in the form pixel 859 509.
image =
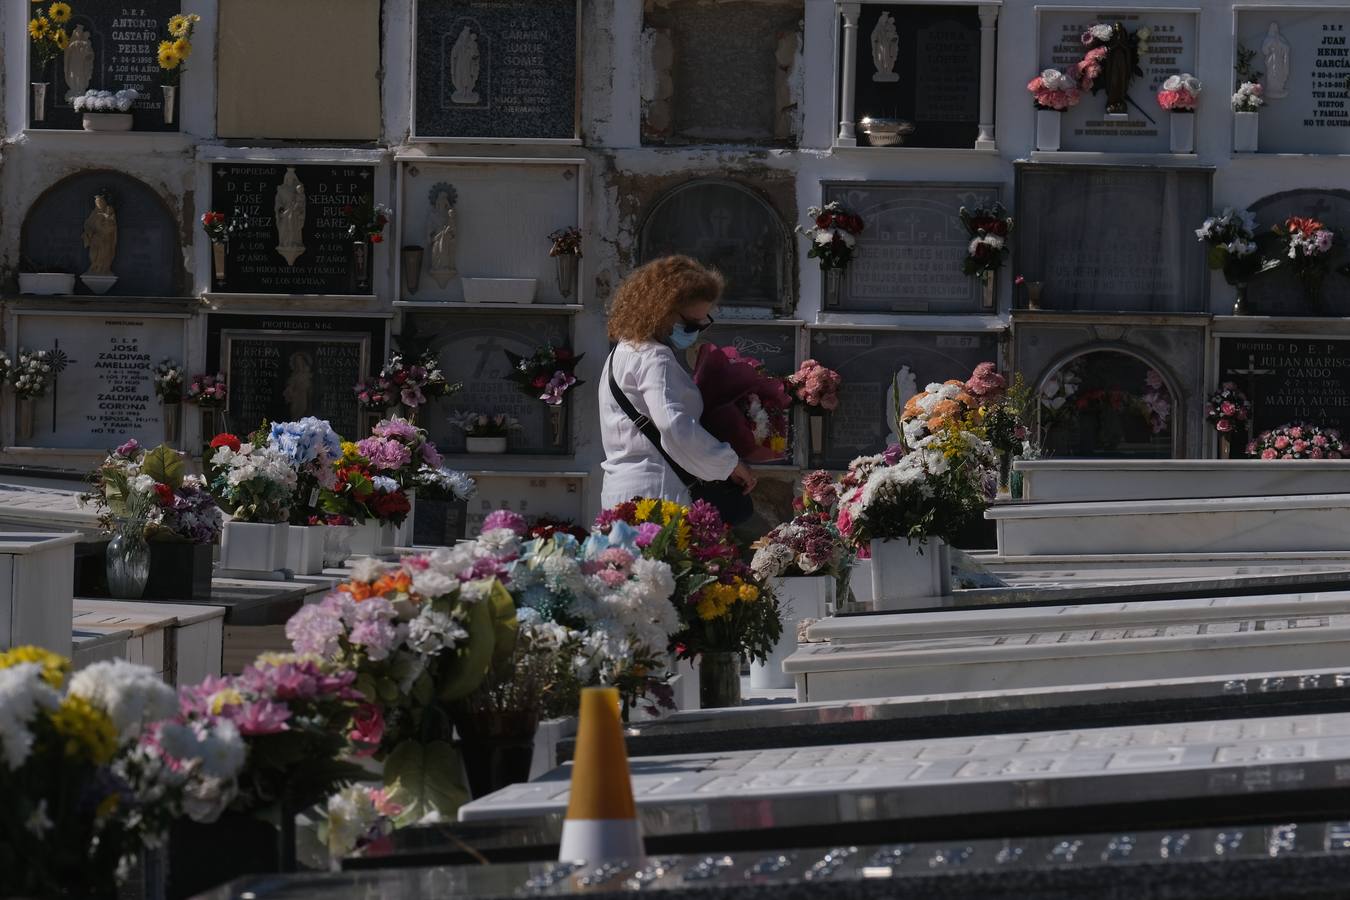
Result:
pixel 79 63
pixel 442 234
pixel 464 67
pixel 1118 69
pixel 1275 49
pixel 100 235
pixel 885 49
pixel 289 210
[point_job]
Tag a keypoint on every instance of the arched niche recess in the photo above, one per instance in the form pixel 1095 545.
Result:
pixel 729 226
pixel 1108 403
pixel 1278 292
pixel 147 263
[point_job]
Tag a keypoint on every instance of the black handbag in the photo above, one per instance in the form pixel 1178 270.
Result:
pixel 730 498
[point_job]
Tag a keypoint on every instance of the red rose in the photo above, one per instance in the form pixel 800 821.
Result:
pixel 377 239
pixel 165 494
pixel 999 228
pixel 823 220
pixel 226 440
pixel 981 251
pixel 381 221
pixel 388 506
pixel 540 382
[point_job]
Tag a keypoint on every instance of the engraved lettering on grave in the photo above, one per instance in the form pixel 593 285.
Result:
pixel 276 376
pixel 1292 380
pixel 945 90
pixel 1330 77
pixel 125 385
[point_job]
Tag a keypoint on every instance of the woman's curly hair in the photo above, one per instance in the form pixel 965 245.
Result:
pixel 647 297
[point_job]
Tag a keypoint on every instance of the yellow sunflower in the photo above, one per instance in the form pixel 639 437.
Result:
pixel 178 26
pixel 183 47
pixel 39 27
pixel 60 38
pixel 168 56
pixel 59 12
pixel 645 508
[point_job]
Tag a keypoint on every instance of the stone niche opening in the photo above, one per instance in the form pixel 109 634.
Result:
pixel 729 226
pixel 721 71
pixel 1107 404
pixel 146 261
pixel 1278 292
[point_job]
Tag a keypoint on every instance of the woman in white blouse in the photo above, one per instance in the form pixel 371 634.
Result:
pixel 659 310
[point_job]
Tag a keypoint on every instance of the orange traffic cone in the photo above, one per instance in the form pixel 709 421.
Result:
pixel 601 816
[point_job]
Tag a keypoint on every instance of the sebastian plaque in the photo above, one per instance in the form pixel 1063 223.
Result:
pixel 496 69
pixel 1304 57
pixel 910 253
pixel 296 241
pixel 124 41
pixel 1290 379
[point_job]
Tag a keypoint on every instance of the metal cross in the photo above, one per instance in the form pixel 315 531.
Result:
pixel 1251 372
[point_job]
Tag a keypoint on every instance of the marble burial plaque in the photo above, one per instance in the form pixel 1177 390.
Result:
pixel 1171 50
pixel 532 497
pixel 103 391
pixel 926 71
pixel 1290 379
pixel 1278 292
pixel 774 345
pixel 881 368
pixel 296 242
pixel 496 69
pixel 728 226
pixel 1113 239
pixel 912 247
pixel 282 368
pixel 147 261
pixel 472 351
pixel 120 52
pixel 1304 57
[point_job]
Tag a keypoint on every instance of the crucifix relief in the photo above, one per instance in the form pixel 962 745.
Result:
pixel 1252 372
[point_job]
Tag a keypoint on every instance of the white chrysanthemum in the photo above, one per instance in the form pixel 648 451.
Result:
pixel 432 583
pixel 22 694
pixel 771 561
pixel 368 569
pixel 133 696
pixel 432 631
pixel 499 542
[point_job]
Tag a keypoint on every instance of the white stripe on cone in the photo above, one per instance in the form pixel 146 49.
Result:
pixel 601 840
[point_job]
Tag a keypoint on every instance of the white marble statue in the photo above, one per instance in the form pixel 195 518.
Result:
pixel 100 236
pixel 885 49
pixel 464 67
pixel 289 210
pixel 299 390
pixel 79 63
pixel 442 234
pixel 903 386
pixel 1276 51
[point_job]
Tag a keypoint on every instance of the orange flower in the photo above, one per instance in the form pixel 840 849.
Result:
pixel 397 583
pixel 358 589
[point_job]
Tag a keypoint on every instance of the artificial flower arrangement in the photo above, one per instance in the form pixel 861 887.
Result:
pixel 312 448
pixel 1054 90
pixel 89 777
pixel 547 374
pixel 565 242
pixel 1298 440
pixel 48 34
pixel 1003 409
pixel 722 605
pixel 988 228
pixel 409 385
pixel 742 403
pixel 32 374
pixel 1180 93
pixel 1156 400
pixel 367 219
pixel 1232 241
pixel 808 545
pixel 1105 42
pixel 207 391
pixel 172 55
pixel 219 227
pixel 833 234
pixel 168 378
pixel 1228 409
pixel 489 425
pixel 444 484
pixel 815 386
pixel 253 479
pixel 1249 97
pixel 416 636
pixel 1307 247
pixel 106 101
pixel 547 526
pixel 357 817
pixel 359 493
pixel 180 506
pixel 397 449
pixel 6 367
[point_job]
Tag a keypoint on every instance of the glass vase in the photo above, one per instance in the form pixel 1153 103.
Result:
pixel 128 564
pixel 719 680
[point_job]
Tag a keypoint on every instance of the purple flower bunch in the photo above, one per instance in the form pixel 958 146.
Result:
pixel 808 545
pixel 398 449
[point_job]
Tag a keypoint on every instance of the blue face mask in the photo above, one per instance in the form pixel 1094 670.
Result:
pixel 682 337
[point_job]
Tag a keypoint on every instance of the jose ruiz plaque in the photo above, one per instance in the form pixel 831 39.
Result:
pixel 296 241
pixel 115 46
pixel 496 69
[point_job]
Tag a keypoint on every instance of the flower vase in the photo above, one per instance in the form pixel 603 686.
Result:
pixel 1225 447
pixel 218 263
pixel 304 549
pixel 817 424
pixel 411 257
pixel 337 544
pixel 1047 129
pixel 170 101
pixel 987 291
pixel 361 265
pixel 1034 295
pixel 39 101
pixel 1183 131
pixel 557 420
pixel 907 574
pixel 128 564
pixel 800 598
pixel 497 749
pixel 173 422
pixel 719 680
pixel 1005 476
pixel 1240 300
pixel 23 424
pixel 1245 132
pixel 567 274
pixel 834 286
pixel 254 546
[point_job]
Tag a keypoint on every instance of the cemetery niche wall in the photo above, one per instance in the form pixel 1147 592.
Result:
pixel 295 238
pixel 1278 292
pixel 496 70
pixel 909 255
pixel 1106 403
pixel 1113 238
pixel 281 368
pixel 112 45
pixel 731 227
pixel 111 230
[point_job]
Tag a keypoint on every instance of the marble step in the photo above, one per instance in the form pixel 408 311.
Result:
pixel 1054 480
pixel 1226 524
pixel 1064 655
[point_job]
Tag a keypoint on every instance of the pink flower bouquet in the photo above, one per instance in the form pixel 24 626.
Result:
pixel 742 404
pixel 1180 93
pixel 1053 89
pixel 207 391
pixel 816 386
pixel 1299 440
pixel 1227 408
pixel 397 449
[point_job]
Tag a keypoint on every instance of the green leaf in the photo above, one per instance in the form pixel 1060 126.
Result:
pixel 504 624
pixel 1216 257
pixel 165 465
pixel 428 776
pixel 472 659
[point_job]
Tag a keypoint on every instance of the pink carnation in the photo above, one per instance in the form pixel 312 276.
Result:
pixel 384 455
pixel 505 519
